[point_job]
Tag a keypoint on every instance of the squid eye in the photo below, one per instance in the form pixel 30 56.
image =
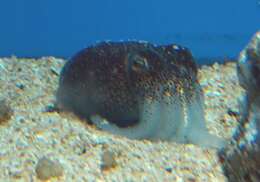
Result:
pixel 138 63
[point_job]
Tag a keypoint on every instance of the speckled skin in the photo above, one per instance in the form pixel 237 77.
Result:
pixel 141 90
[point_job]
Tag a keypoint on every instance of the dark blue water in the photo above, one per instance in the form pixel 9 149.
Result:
pixel 34 28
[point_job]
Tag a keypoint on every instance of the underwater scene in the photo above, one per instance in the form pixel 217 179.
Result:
pixel 129 91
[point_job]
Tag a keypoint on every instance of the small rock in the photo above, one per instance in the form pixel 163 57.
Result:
pixel 51 108
pixel 20 86
pixel 55 71
pixel 232 113
pixel 168 169
pixel 5 111
pixel 108 160
pixel 47 169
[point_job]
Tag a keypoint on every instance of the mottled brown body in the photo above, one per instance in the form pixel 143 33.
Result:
pixel 139 87
pixel 105 80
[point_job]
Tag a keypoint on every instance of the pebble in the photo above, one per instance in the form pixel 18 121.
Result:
pixel 20 86
pixel 5 111
pixel 55 71
pixel 46 169
pixel 108 160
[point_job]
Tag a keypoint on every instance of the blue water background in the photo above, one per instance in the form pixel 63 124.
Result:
pixel 35 28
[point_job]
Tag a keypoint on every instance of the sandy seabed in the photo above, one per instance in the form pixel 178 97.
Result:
pixel 33 133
